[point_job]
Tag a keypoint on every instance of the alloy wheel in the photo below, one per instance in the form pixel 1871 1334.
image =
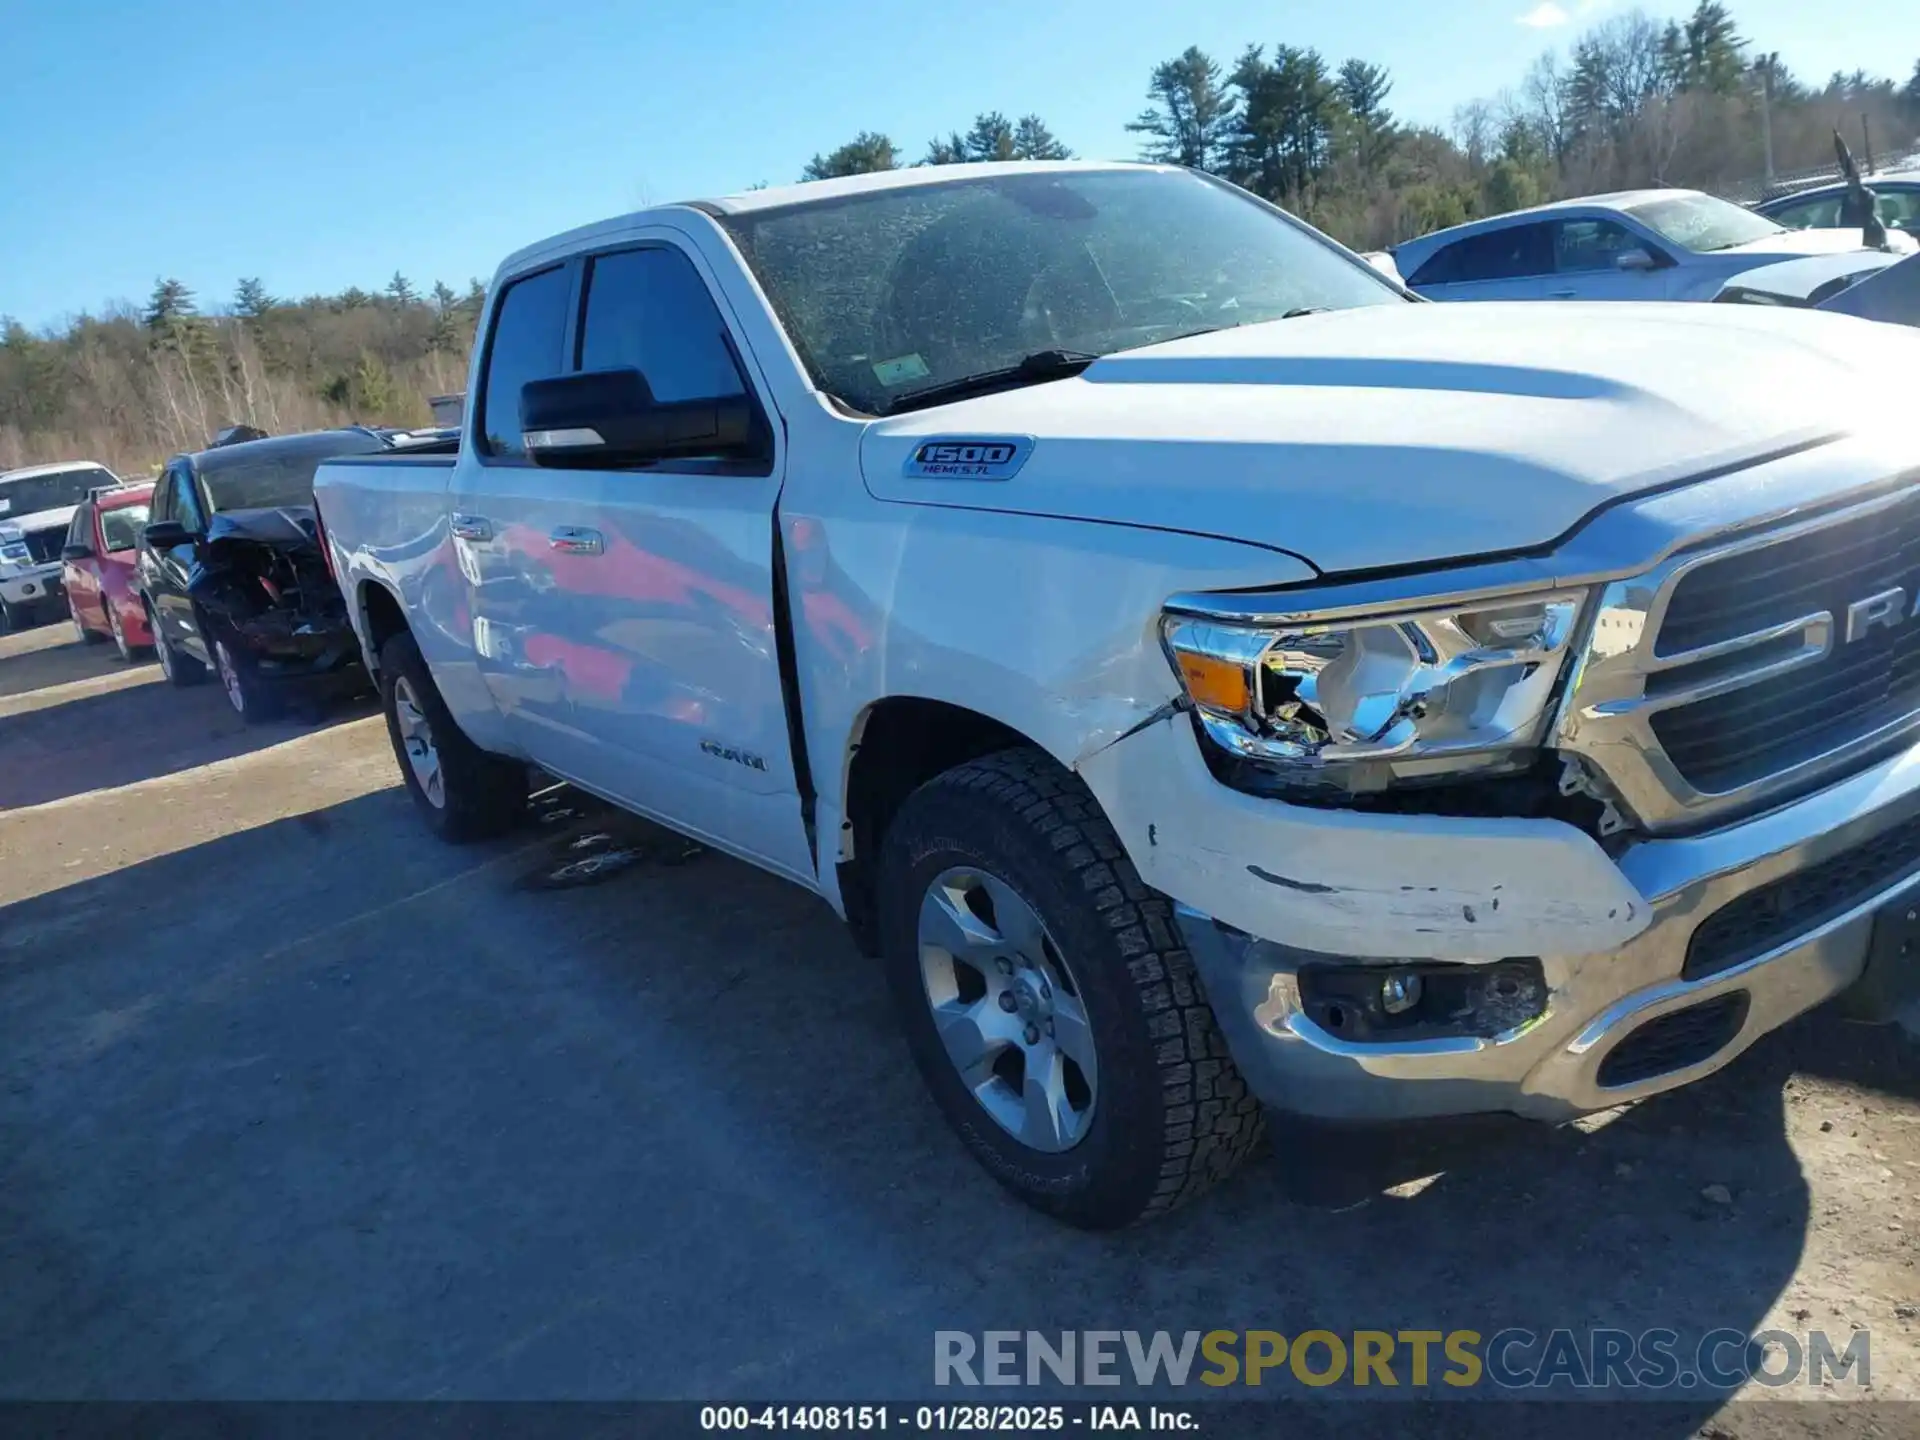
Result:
pixel 416 739
pixel 230 677
pixel 1007 1009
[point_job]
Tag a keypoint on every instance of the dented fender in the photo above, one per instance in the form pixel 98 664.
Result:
pixel 1338 882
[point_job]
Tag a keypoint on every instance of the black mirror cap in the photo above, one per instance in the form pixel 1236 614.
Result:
pixel 165 534
pixel 603 419
pixel 75 552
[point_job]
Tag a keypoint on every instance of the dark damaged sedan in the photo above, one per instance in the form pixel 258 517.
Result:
pixel 231 573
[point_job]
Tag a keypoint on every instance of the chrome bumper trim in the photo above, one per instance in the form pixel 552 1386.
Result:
pixel 1549 1068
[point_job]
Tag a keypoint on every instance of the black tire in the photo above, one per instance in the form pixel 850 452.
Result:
pixel 1172 1115
pixel 483 795
pixel 9 618
pixel 253 699
pixel 180 670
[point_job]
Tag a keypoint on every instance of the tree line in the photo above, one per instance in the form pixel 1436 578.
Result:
pixel 133 385
pixel 1633 101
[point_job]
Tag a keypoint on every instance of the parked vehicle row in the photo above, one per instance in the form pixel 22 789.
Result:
pixel 1635 245
pixel 37 505
pixel 98 568
pixel 1201 675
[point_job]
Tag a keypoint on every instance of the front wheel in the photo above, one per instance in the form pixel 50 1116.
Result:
pixel 1048 1001
pixel 461 791
pixel 253 700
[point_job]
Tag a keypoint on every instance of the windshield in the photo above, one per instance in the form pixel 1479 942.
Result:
pixel 120 528
pixel 1701 222
pixel 32 493
pixel 897 291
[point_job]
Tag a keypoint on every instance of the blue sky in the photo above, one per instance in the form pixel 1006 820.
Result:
pixel 327 144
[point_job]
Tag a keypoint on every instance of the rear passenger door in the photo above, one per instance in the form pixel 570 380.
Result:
pixel 1511 263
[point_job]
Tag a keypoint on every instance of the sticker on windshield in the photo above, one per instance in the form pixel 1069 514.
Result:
pixel 954 457
pixel 901 369
pixel 5 506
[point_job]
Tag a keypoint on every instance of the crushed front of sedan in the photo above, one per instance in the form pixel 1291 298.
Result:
pixel 263 583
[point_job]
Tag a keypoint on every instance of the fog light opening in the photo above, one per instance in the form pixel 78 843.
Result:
pixel 1399 992
pixel 1405 1000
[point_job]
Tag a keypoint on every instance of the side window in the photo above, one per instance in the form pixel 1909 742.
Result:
pixel 1580 245
pixel 162 506
pixel 529 332
pixel 1901 208
pixel 651 310
pixel 1809 214
pixel 1513 253
pixel 185 506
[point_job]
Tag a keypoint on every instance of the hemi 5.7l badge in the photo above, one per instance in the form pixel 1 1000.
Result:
pixel 969 457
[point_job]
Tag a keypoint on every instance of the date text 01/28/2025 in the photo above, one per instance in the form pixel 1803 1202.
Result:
pixel 986 1419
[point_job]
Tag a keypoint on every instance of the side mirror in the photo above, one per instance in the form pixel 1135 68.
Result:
pixel 609 418
pixel 165 534
pixel 1635 259
pixel 75 552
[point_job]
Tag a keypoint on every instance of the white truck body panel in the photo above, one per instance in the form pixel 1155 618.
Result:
pixel 1277 455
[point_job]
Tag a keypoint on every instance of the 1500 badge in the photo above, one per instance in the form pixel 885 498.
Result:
pixel 969 457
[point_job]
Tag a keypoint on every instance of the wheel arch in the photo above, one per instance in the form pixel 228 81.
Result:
pixel 379 616
pixel 897 744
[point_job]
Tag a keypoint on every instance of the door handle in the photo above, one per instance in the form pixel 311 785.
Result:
pixel 471 527
pixel 574 540
pixel 1561 294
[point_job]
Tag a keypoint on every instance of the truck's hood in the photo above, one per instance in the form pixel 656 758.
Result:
pixel 1813 242
pixel 1400 434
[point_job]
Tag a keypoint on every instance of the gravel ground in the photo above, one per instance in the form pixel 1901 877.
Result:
pixel 297 1103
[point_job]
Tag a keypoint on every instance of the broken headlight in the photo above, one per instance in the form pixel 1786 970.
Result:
pixel 1362 704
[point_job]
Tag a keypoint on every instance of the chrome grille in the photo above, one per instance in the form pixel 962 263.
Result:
pixel 1744 672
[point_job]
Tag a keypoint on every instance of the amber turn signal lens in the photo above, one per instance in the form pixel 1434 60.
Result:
pixel 1216 684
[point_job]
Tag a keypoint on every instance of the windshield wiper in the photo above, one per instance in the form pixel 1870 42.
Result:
pixel 1028 370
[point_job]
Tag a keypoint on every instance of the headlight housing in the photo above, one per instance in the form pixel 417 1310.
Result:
pixel 13 546
pixel 1359 704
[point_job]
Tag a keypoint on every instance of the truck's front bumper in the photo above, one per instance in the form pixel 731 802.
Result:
pixel 1854 851
pixel 34 588
pixel 1810 878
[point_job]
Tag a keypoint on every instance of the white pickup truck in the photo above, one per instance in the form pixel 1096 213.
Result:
pixel 1203 674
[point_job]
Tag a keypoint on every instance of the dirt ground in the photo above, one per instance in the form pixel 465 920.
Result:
pixel 295 1102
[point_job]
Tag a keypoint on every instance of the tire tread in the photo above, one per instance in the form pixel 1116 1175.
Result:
pixel 1210 1121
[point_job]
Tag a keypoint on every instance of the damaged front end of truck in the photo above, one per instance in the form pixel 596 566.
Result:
pixel 263 586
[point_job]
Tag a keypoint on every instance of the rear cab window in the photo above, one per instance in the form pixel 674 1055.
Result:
pixel 527 342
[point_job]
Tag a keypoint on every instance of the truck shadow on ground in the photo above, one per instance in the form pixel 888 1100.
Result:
pixel 139 729
pixel 320 1109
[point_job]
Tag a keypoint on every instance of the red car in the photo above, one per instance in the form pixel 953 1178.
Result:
pixel 98 569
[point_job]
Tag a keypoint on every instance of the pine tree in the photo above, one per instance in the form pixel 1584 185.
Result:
pixel 251 300
pixel 1192 115
pixel 991 137
pixel 1032 140
pixel 399 291
pixel 866 152
pixel 170 305
pixel 950 151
